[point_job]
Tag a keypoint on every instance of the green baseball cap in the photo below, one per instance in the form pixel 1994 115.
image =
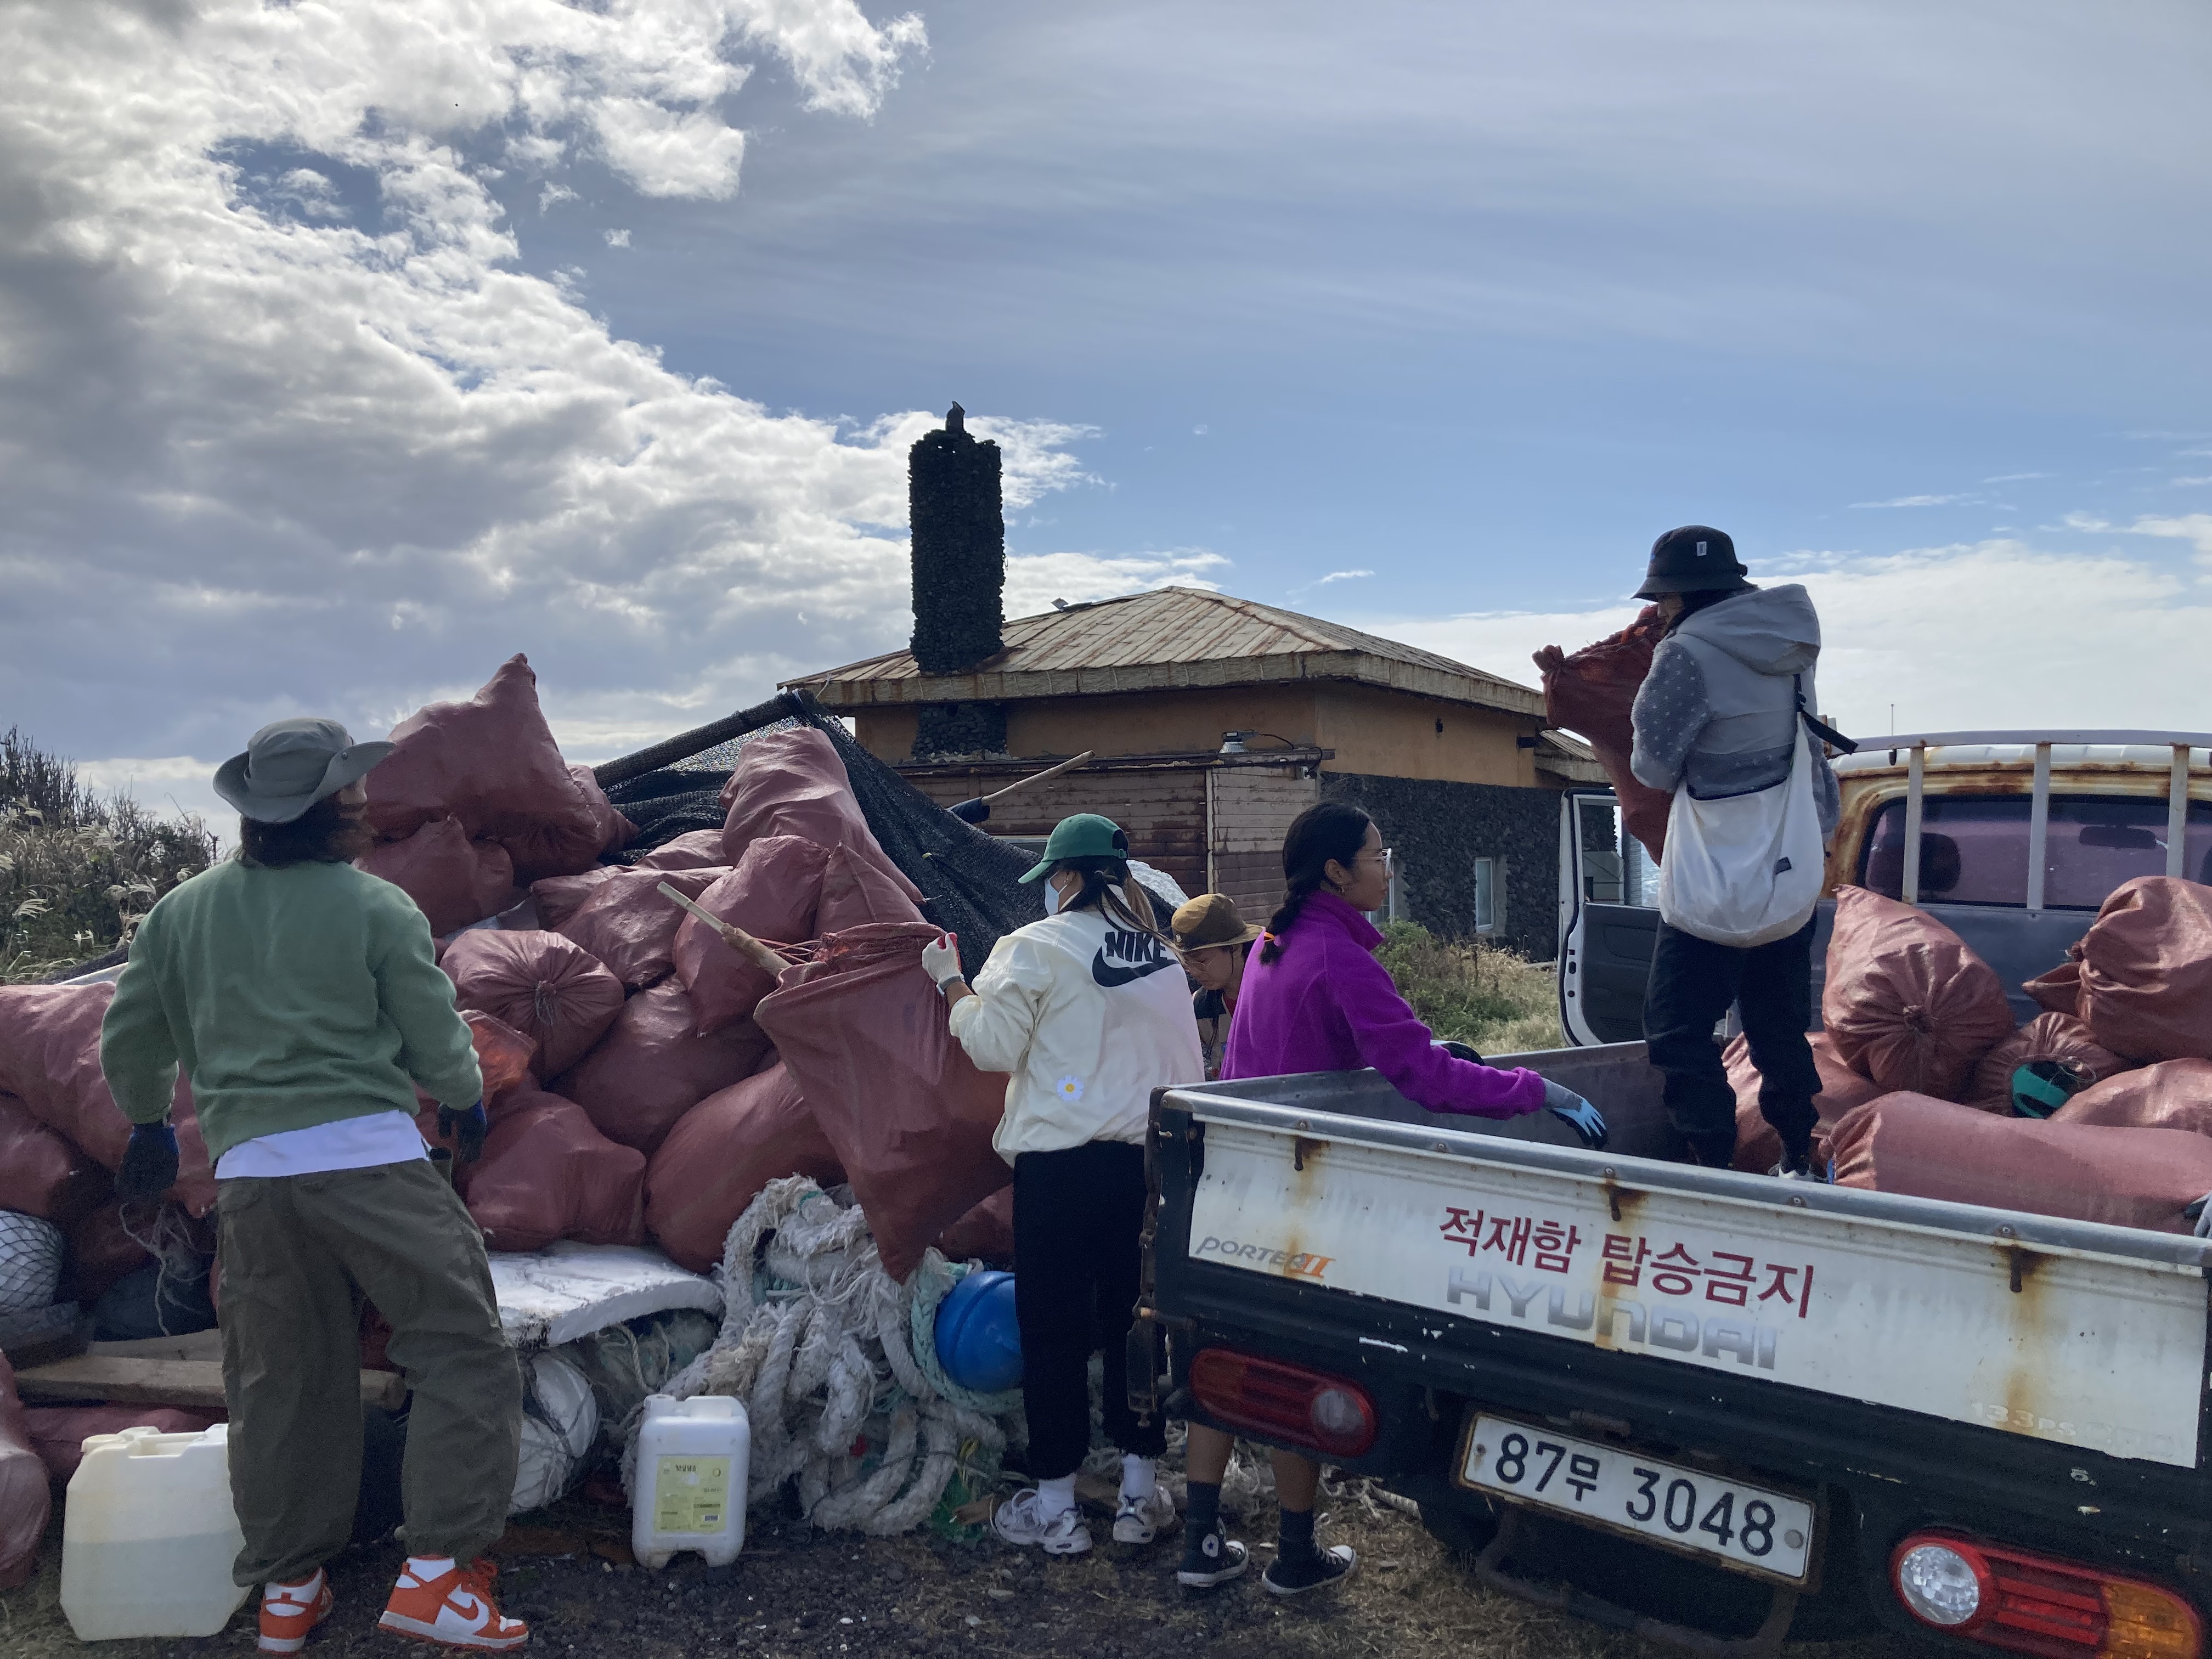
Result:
pixel 1085 835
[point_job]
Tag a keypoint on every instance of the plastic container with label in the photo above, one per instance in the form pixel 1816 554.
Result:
pixel 148 1536
pixel 694 1457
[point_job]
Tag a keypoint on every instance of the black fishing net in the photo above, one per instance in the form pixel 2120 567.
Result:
pixel 970 882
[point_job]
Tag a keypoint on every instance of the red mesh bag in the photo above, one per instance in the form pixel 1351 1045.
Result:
pixel 794 783
pixel 1758 1146
pixel 1592 691
pixel 50 1059
pixel 628 924
pixel 2175 1094
pixel 491 763
pixel 1924 1148
pixel 2146 970
pixel 716 1162
pixel 58 1432
pixel 862 1031
pixel 695 849
pixel 2047 1037
pixel 455 881
pixel 572 841
pixel 985 1233
pixel 1906 1003
pixel 857 893
pixel 772 894
pixel 2059 991
pixel 559 897
pixel 26 1499
pixel 546 1174
pixel 653 1067
pixel 547 988
pixel 41 1174
pixel 504 1056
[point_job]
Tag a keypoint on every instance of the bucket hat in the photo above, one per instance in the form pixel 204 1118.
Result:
pixel 290 765
pixel 1085 835
pixel 1695 559
pixel 1211 920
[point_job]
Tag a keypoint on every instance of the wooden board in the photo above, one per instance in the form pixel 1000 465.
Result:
pixel 197 1383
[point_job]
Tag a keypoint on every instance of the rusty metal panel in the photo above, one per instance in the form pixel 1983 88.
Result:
pixel 2084 1346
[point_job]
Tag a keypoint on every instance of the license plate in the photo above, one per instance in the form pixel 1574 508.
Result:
pixel 1750 1529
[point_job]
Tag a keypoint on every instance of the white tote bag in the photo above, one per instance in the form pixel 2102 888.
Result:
pixel 1745 870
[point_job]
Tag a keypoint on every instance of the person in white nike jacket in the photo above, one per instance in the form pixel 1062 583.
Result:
pixel 1088 1011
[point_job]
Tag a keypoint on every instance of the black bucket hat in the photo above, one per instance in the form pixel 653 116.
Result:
pixel 1695 559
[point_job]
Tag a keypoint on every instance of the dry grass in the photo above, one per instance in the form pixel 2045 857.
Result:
pixel 1476 994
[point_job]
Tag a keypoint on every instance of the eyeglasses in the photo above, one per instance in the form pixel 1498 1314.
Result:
pixel 1387 854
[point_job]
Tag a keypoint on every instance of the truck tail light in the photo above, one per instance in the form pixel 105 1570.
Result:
pixel 1283 1402
pixel 2037 1604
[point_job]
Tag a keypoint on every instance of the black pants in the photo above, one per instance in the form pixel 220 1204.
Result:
pixel 1693 982
pixel 1077 1217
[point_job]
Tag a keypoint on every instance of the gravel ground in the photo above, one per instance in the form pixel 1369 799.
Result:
pixel 800 1595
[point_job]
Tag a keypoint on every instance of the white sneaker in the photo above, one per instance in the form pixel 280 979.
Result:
pixel 1020 1520
pixel 1139 1519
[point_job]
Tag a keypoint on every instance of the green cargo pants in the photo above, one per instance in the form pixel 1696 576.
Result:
pixel 299 1254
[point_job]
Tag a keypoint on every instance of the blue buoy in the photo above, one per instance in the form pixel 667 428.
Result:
pixel 979 1343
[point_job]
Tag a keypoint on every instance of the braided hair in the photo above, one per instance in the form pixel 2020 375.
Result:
pixel 1331 830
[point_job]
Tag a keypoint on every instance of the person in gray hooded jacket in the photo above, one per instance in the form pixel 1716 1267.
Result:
pixel 1718 715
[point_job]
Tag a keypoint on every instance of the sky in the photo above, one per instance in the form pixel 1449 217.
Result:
pixel 346 351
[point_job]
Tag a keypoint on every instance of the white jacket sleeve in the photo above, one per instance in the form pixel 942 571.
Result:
pixel 996 1024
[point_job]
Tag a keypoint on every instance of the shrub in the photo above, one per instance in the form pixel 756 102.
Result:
pixel 1477 994
pixel 78 872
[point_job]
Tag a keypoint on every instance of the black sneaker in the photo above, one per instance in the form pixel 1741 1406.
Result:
pixel 1310 1570
pixel 1210 1558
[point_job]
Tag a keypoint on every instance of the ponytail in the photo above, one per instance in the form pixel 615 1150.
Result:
pixel 1331 830
pixel 1110 888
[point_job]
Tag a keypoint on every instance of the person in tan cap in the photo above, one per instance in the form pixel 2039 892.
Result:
pixel 1213 941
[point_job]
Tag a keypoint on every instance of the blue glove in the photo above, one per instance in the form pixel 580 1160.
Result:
pixel 1459 1050
pixel 1566 1103
pixel 149 1163
pixel 466 1129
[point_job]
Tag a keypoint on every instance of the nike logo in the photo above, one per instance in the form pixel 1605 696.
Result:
pixel 1128 956
pixel 467 1605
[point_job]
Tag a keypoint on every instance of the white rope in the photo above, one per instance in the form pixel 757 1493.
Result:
pixel 829 1351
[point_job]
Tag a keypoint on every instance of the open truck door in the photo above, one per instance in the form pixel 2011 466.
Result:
pixel 1608 920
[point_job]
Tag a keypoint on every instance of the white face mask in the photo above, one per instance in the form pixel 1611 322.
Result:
pixel 1051 898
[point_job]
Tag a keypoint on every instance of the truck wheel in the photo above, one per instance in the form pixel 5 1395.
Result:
pixel 1462 1530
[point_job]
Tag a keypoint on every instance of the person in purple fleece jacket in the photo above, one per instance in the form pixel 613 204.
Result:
pixel 1315 999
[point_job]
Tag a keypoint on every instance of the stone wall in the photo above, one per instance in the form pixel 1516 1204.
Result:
pixel 1438 829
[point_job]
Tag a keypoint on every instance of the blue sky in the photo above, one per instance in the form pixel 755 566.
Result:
pixel 357 350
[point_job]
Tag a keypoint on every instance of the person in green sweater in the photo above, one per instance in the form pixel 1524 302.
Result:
pixel 302 1000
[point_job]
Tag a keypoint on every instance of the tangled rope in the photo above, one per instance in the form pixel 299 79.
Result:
pixel 837 1363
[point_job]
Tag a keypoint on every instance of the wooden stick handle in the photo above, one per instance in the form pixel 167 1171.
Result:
pixel 730 933
pixel 1039 777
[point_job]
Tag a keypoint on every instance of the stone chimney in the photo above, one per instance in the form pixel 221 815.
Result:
pixel 953 505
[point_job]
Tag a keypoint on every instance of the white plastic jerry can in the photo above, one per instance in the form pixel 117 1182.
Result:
pixel 694 1457
pixel 148 1536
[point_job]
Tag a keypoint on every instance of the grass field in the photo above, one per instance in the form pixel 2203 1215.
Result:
pixel 1476 994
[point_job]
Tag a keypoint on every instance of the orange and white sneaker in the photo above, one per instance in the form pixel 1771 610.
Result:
pixel 289 1612
pixel 456 1609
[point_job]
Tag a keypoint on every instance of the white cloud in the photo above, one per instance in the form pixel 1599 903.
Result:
pixel 1033 582
pixel 2195 528
pixel 1342 576
pixel 616 238
pixel 1995 634
pixel 1917 500
pixel 2016 478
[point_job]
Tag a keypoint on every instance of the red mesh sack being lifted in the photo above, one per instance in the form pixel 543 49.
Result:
pixel 628 924
pixel 856 893
pixel 2146 970
pixel 1592 691
pixel 546 1174
pixel 695 849
pixel 1758 1146
pixel 491 763
pixel 862 1031
pixel 2047 1037
pixel 26 1499
pixel 50 1059
pixel 453 880
pixel 572 841
pixel 1906 1003
pixel 716 1162
pixel 772 894
pixel 653 1067
pixel 2175 1094
pixel 41 1174
pixel 547 988
pixel 794 783
pixel 1924 1148
pixel 985 1233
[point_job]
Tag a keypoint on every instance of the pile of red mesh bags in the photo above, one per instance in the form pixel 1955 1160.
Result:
pixel 548 988
pixel 1906 1003
pixel 793 783
pixel 716 1160
pixel 2175 1094
pixel 774 894
pixel 546 1173
pixel 1592 691
pixel 2047 1037
pixel 653 1067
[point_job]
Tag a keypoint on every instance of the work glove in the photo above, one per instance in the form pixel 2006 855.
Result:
pixel 1564 1102
pixel 1459 1050
pixel 941 959
pixel 149 1163
pixel 464 1128
pixel 2201 1213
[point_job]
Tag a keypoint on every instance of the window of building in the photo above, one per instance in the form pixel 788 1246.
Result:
pixel 1487 908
